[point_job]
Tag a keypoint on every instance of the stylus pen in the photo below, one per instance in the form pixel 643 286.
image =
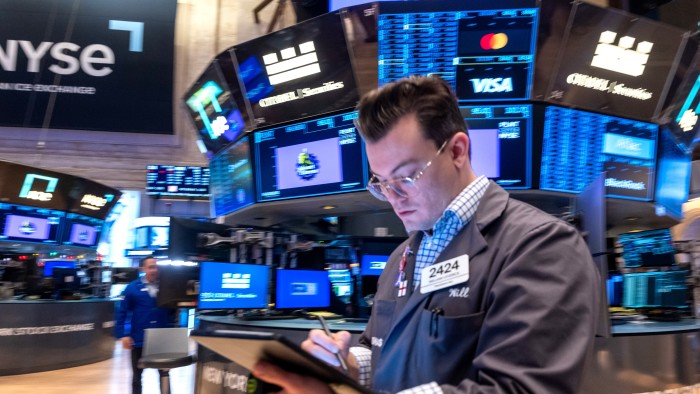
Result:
pixel 340 358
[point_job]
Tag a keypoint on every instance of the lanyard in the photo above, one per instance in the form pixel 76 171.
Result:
pixel 401 281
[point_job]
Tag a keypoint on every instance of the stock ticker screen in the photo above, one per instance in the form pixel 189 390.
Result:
pixel 579 145
pixel 484 54
pixel 170 180
pixel 501 137
pixel 663 289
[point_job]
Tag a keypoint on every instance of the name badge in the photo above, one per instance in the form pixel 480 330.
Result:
pixel 444 274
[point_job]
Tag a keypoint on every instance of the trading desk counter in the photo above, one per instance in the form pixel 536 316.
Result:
pixel 639 357
pixel 46 335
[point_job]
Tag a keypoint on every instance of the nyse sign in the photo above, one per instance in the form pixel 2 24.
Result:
pixel 115 61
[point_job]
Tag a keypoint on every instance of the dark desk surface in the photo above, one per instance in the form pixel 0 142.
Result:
pixel 650 327
pixel 293 324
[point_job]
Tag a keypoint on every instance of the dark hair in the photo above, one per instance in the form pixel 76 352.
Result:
pixel 142 262
pixel 430 99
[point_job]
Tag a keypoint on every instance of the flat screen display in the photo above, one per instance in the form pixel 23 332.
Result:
pixel 665 289
pixel 28 224
pixel 615 63
pixel 372 264
pixel 485 54
pixel 216 116
pixel 685 122
pixel 231 182
pixel 80 230
pixel 672 175
pixel 171 180
pixel 233 286
pixel 32 186
pixel 297 72
pixel 501 143
pixel 652 248
pixel 579 145
pixel 50 265
pixel 302 289
pixel 316 157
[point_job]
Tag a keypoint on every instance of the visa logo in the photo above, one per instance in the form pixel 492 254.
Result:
pixel 492 85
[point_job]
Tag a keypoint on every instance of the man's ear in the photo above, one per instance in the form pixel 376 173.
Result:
pixel 459 151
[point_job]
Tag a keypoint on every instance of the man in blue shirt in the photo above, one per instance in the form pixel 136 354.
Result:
pixel 488 294
pixel 140 310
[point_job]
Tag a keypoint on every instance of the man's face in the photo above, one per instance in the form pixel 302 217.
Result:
pixel 150 269
pixel 403 152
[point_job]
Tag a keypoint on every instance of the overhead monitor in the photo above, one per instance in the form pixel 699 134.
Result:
pixel 614 62
pixel 231 183
pixel 81 231
pixel 485 51
pixel 501 138
pixel 578 146
pixel 29 224
pixel 651 248
pixel 662 289
pixel 233 286
pixel 216 116
pixel 684 120
pixel 302 289
pixel 90 198
pixel 672 175
pixel 311 158
pixel 32 186
pixel 297 72
pixel 177 181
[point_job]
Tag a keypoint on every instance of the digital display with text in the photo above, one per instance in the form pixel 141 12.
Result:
pixel 372 264
pixel 651 248
pixel 302 289
pixel 500 138
pixel 316 157
pixel 485 54
pixel 80 230
pixel 231 182
pixel 233 286
pixel 665 289
pixel 578 146
pixel 171 180
pixel 28 224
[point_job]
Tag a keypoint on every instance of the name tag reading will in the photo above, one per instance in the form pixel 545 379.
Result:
pixel 444 274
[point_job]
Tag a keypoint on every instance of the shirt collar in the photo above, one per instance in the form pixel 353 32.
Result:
pixel 462 208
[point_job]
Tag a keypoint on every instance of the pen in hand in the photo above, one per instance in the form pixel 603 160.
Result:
pixel 340 358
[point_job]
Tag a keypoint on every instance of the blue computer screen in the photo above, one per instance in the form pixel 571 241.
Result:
pixel 655 289
pixel 233 286
pixel 50 265
pixel 231 182
pixel 302 289
pixel 652 248
pixel 372 264
pixel 672 175
pixel 578 146
pixel 485 54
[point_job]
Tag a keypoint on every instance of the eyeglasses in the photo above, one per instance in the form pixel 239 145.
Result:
pixel 402 187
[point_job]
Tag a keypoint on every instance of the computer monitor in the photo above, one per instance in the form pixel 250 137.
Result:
pixel 28 224
pixel 124 275
pixel 233 286
pixel 302 289
pixel 178 285
pixel 372 264
pixel 664 289
pixel 65 280
pixel 51 264
pixel 81 231
pixel 615 289
pixel 651 248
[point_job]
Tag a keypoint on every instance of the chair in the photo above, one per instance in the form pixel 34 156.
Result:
pixel 165 349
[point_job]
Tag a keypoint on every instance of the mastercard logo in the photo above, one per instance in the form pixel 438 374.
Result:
pixel 493 41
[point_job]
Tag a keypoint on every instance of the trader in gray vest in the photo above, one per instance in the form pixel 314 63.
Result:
pixel 488 294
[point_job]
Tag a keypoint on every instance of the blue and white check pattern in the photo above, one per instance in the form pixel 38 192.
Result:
pixel 455 217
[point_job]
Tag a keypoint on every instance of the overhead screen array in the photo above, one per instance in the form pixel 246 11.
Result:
pixel 231 184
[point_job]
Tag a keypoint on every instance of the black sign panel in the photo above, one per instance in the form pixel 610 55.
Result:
pixel 91 65
pixel 615 63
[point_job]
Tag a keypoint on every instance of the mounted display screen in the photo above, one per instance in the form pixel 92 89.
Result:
pixel 82 231
pixel 301 71
pixel 372 264
pixel 233 286
pixel 579 145
pixel 184 181
pixel 302 289
pixel 231 183
pixel 322 156
pixel 501 143
pixel 614 62
pixel 666 289
pixel 485 54
pixel 217 118
pixel 652 248
pixel 672 175
pixel 28 224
